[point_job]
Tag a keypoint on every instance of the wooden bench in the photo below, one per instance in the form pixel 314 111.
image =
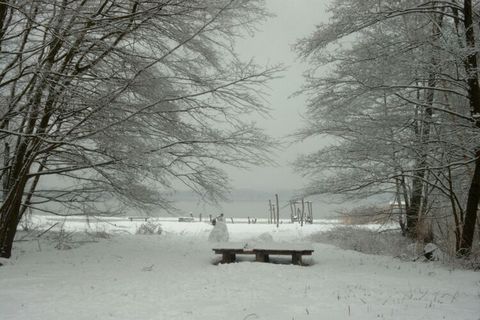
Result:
pixel 262 252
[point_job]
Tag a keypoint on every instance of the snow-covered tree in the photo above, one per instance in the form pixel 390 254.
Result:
pixel 399 101
pixel 125 98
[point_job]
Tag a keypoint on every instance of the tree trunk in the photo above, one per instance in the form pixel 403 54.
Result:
pixel 423 135
pixel 10 217
pixel 10 214
pixel 468 231
pixel 4 6
pixel 457 214
pixel 6 171
pixel 474 97
pixel 398 199
pixel 414 208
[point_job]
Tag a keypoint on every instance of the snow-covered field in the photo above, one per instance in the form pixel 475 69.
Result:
pixel 175 276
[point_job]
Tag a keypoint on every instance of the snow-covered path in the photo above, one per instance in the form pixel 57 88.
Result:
pixel 172 277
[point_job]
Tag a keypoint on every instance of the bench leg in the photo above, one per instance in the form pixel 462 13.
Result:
pixel 297 259
pixel 261 257
pixel 228 257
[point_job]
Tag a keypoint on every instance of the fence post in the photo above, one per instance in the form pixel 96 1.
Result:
pixel 278 210
pixel 270 218
pixel 303 212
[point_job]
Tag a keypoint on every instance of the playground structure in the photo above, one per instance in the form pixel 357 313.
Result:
pixel 301 211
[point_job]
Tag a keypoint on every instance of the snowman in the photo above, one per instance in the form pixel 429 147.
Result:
pixel 219 232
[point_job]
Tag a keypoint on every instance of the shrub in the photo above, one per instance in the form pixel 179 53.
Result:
pixel 63 239
pixel 366 215
pixel 149 228
pixel 390 243
pixel 98 234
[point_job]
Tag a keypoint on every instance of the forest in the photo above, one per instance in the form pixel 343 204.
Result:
pixel 402 100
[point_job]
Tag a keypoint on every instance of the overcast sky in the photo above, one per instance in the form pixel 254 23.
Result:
pixel 270 45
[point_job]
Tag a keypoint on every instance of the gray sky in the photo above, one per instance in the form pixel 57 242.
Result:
pixel 270 45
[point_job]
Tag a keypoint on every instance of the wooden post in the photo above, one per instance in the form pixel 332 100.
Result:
pixel 274 212
pixel 231 218
pixel 278 210
pixel 311 212
pixel 291 211
pixel 200 217
pixel 270 219
pixel 210 216
pixel 261 257
pixel 297 258
pixel 303 212
pixel 228 257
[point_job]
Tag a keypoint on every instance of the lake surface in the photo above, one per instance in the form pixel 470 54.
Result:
pixel 252 209
pixel 323 208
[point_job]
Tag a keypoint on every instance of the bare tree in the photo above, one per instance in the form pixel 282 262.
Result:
pixel 398 102
pixel 124 98
pixel 473 89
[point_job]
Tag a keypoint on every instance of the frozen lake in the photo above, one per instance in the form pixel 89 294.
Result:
pixel 252 209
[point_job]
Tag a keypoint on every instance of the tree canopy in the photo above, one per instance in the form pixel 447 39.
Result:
pixel 124 99
pixel 400 100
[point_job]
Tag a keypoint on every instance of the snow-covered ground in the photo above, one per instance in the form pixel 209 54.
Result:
pixel 175 276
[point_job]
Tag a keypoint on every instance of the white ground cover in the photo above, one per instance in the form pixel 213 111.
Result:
pixel 174 276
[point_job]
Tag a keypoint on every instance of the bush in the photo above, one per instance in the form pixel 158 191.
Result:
pixel 390 243
pixel 98 234
pixel 150 228
pixel 366 215
pixel 63 240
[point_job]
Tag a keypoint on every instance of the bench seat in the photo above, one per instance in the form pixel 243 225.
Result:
pixel 262 251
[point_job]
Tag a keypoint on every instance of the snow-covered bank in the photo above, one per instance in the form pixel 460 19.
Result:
pixel 155 277
pixel 240 227
pixel 173 276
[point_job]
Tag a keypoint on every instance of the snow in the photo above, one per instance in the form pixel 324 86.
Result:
pixel 219 232
pixel 175 275
pixel 260 245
